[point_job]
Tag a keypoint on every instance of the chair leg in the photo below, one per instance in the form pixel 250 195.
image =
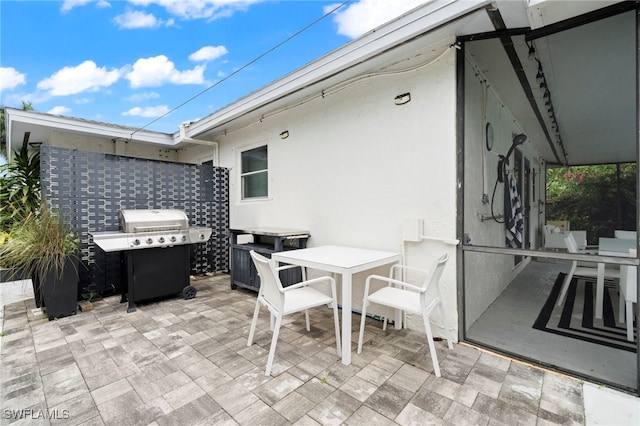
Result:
pixel 621 304
pixel 253 323
pixel 362 319
pixel 432 347
pixel 274 341
pixel 337 325
pixel 629 320
pixel 306 318
pixel 445 323
pixel 565 284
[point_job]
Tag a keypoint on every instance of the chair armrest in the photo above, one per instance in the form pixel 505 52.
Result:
pixel 391 281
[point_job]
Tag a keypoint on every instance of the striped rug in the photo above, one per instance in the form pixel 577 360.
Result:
pixel 576 317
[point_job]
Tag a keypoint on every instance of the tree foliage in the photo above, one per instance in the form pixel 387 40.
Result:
pixel 598 199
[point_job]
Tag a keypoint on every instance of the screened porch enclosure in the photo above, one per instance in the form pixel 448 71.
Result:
pixel 570 91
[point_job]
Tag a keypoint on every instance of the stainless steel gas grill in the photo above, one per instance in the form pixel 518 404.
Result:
pixel 154 246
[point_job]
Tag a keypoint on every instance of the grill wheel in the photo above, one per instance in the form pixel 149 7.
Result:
pixel 189 292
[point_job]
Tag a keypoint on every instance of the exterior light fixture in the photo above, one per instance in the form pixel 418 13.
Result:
pixel 284 134
pixel 402 99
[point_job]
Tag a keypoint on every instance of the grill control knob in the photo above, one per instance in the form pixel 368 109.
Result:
pixel 202 236
pixel 136 242
pixel 184 238
pixel 149 241
pixel 161 240
pixel 172 239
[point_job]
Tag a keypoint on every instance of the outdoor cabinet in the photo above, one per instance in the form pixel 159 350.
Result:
pixel 264 241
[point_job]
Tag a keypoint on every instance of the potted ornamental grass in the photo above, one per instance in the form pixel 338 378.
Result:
pixel 43 245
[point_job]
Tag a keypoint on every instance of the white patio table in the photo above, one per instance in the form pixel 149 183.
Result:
pixel 345 261
pixel 609 247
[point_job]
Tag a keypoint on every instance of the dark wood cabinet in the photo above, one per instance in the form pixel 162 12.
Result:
pixel 264 241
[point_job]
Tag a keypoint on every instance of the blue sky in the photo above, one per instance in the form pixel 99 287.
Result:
pixel 130 62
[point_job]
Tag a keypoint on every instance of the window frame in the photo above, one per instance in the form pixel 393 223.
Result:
pixel 243 174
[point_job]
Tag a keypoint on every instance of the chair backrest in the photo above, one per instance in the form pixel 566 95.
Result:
pixel 570 241
pixel 630 235
pixel 437 267
pixel 270 285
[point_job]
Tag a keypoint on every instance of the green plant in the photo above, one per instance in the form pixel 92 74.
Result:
pixel 19 188
pixel 40 243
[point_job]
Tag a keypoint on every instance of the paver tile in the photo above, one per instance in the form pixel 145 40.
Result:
pixel 187 362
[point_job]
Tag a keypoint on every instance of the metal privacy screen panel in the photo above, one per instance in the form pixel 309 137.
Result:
pixel 88 188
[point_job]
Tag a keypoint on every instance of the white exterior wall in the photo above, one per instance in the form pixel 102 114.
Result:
pixel 356 165
pixel 486 276
pixel 120 147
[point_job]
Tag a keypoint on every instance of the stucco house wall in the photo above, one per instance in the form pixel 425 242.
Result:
pixel 355 165
pixel 194 154
pixel 118 147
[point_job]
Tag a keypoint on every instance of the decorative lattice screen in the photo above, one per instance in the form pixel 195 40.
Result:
pixel 88 188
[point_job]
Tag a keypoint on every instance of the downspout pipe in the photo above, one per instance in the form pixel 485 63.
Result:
pixel 184 138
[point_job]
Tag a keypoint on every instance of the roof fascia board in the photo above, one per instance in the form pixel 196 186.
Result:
pixel 81 126
pixel 408 26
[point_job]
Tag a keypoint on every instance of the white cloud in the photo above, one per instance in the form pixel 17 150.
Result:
pixel 199 9
pixel 59 110
pixel 155 111
pixel 136 19
pixel 10 78
pixel 84 77
pixel 208 53
pixel 133 19
pixel 139 97
pixel 67 5
pixel 365 15
pixel 158 70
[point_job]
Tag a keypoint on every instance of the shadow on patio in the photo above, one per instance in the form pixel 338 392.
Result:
pixel 187 362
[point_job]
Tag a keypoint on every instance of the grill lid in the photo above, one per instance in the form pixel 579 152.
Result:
pixel 152 220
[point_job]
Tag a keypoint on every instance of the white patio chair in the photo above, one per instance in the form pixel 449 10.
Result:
pixel 282 301
pixel 628 294
pixel 580 270
pixel 409 298
pixel 630 235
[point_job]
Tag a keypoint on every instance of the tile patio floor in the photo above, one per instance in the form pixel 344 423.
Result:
pixel 186 362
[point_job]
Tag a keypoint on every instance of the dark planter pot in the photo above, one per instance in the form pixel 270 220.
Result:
pixel 59 292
